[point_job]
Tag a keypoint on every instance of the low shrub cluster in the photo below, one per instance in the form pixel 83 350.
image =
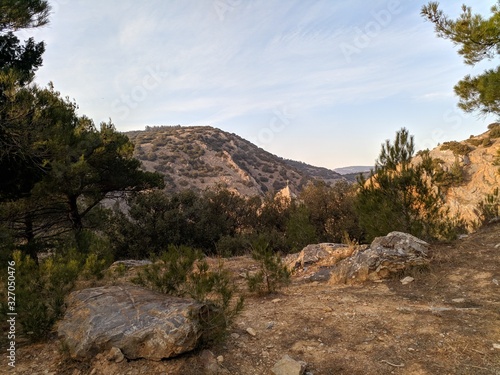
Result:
pixel 182 271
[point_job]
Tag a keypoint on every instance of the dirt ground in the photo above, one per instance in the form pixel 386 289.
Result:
pixel 447 321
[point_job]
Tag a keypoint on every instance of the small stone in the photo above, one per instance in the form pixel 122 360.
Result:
pixel 235 336
pixel 276 300
pixel 496 346
pixel 251 332
pixel 220 359
pixel 270 346
pixel 458 300
pixel 115 355
pixel 270 325
pixel 288 366
pixel 407 280
pixel 495 281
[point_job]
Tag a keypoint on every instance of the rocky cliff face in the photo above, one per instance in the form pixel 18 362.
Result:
pixel 474 160
pixel 199 157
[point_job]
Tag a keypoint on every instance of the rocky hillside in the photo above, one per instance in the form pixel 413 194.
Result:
pixel 198 157
pixel 471 169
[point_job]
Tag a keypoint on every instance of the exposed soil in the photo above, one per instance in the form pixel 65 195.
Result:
pixel 447 321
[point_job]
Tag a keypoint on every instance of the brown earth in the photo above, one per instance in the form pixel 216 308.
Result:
pixel 447 321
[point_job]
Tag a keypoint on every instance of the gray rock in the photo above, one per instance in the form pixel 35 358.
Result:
pixel 323 274
pixel 139 322
pixel 386 256
pixel 288 366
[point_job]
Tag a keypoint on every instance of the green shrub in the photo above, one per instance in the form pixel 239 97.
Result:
pixel 169 272
pixel 456 147
pixel 228 246
pixel 94 267
pixel 217 290
pixel 175 273
pixel 41 289
pixel 489 208
pixel 272 273
pixel 494 130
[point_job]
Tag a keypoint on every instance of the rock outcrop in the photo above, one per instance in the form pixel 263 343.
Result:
pixel 311 254
pixel 139 322
pixel 387 255
pixel 479 173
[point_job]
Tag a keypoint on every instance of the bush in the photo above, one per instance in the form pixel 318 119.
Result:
pixel 228 246
pixel 456 147
pixel 494 130
pixel 175 273
pixel 489 208
pixel 272 274
pixel 169 272
pixel 40 291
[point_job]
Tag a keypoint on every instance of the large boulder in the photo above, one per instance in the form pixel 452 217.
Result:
pixel 386 256
pixel 312 254
pixel 139 322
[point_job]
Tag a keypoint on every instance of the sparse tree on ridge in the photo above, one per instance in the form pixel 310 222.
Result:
pixel 478 39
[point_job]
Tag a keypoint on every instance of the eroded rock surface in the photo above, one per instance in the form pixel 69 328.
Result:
pixel 386 255
pixel 139 322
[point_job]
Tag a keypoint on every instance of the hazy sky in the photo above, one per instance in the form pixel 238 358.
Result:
pixel 324 82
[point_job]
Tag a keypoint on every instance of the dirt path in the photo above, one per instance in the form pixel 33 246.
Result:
pixel 445 322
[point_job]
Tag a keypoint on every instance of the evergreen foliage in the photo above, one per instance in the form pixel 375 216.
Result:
pixel 478 38
pixel 272 273
pixel 489 208
pixel 182 271
pixel 400 196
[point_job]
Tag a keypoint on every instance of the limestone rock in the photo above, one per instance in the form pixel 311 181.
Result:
pixel 139 322
pixel 251 332
pixel 386 255
pixel 314 253
pixel 288 366
pixel 407 280
pixel 115 355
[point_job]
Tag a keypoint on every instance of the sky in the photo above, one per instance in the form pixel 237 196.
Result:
pixel 320 81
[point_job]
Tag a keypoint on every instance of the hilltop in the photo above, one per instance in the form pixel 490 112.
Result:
pixel 198 157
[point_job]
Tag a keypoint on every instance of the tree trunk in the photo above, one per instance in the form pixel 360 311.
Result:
pixel 30 237
pixel 74 214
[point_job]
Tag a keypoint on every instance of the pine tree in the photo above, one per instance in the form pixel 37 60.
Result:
pixel 399 195
pixel 478 39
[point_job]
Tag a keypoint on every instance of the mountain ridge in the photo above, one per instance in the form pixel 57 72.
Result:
pixel 200 157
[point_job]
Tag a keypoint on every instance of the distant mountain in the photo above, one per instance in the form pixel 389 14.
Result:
pixel 198 157
pixel 354 169
pixel 351 174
